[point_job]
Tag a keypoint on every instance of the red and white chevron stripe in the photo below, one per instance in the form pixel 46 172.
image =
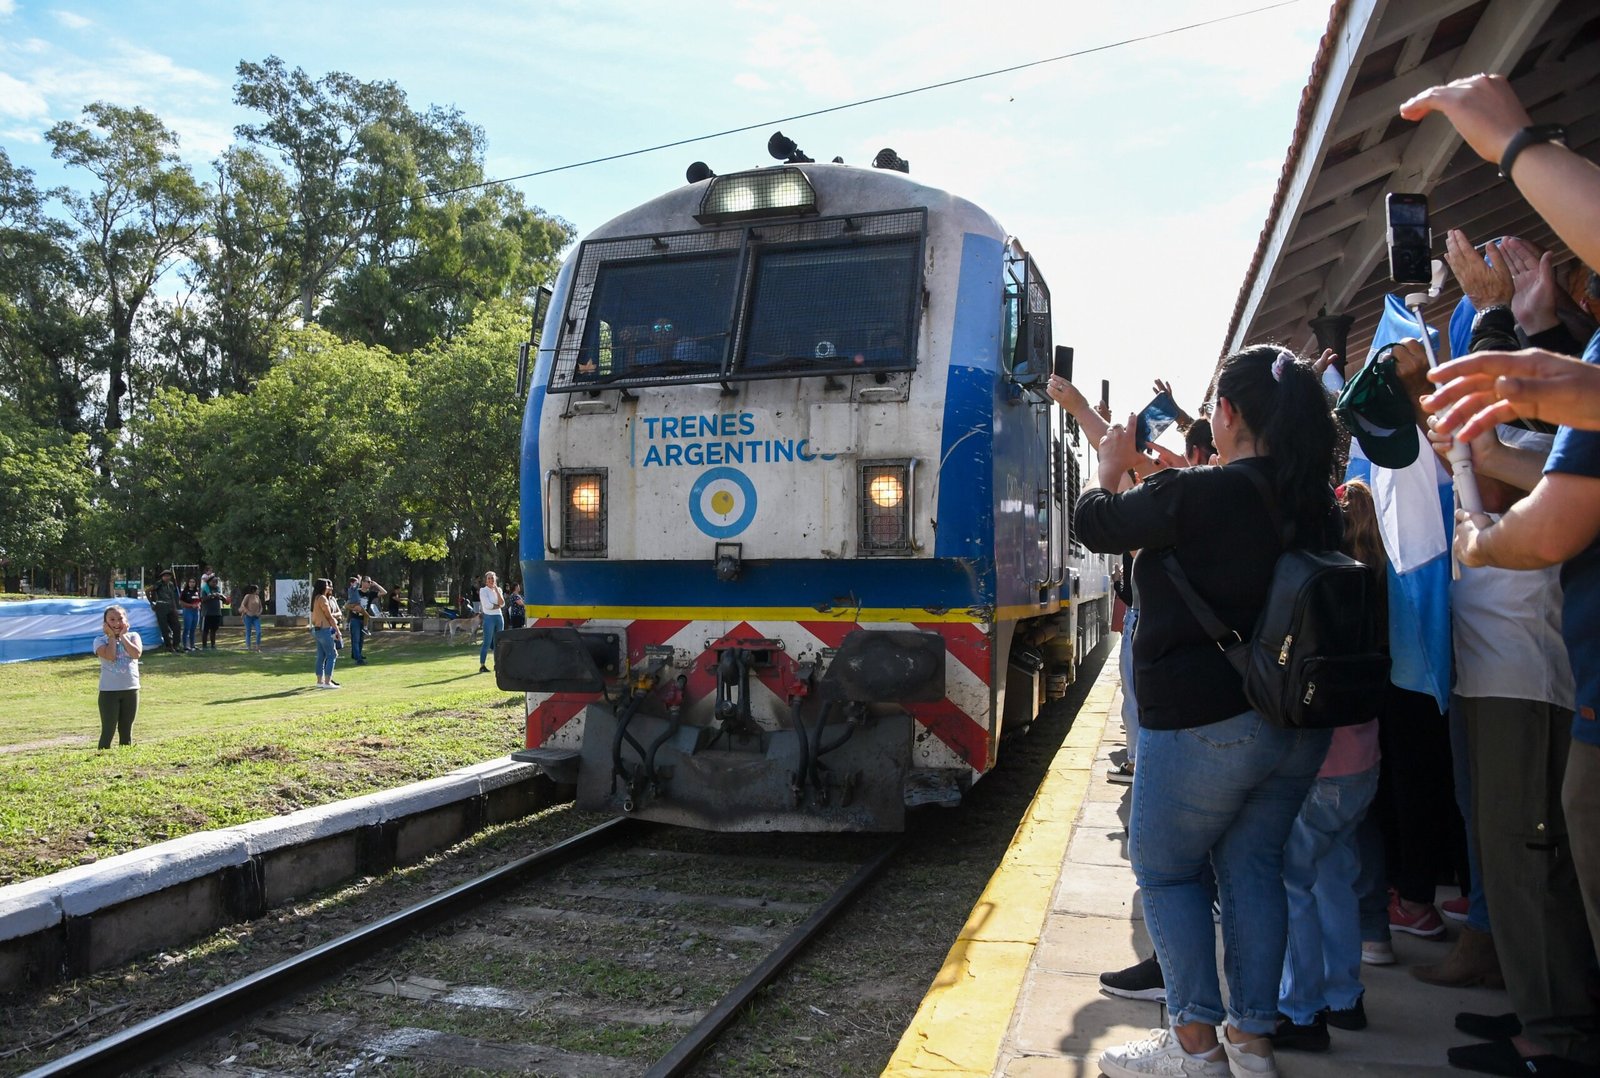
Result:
pixel 955 732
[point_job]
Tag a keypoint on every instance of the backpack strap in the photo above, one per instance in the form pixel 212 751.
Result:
pixel 1284 528
pixel 1227 641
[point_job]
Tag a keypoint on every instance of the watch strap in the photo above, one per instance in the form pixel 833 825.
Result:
pixel 1529 136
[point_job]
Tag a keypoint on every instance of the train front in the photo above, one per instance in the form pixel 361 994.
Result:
pixel 754 397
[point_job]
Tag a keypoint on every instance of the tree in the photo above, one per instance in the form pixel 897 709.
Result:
pixel 468 414
pixel 142 217
pixel 48 330
pixel 45 483
pixel 386 223
pixel 306 458
pixel 326 131
pixel 248 278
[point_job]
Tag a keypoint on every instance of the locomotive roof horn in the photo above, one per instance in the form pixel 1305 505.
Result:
pixel 782 147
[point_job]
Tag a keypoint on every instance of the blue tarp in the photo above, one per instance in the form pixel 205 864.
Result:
pixel 47 628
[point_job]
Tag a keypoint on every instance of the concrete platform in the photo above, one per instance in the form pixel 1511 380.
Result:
pixel 98 915
pixel 1030 1006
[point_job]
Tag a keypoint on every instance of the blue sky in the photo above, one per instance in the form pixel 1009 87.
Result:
pixel 1139 177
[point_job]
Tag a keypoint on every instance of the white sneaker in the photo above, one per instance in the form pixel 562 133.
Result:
pixel 1159 1054
pixel 1377 952
pixel 1252 1059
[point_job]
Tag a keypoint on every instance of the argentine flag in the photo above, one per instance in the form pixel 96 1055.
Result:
pixel 1416 512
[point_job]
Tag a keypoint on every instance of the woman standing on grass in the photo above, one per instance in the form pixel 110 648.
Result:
pixel 324 630
pixel 491 605
pixel 118 649
pixel 189 600
pixel 250 610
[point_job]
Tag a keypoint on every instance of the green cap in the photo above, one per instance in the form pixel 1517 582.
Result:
pixel 1376 410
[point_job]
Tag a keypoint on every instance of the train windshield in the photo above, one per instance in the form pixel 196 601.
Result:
pixel 820 296
pixel 832 308
pixel 659 318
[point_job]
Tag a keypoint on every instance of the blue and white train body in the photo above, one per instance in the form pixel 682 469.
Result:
pixel 796 516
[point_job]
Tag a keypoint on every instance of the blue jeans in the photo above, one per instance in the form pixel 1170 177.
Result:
pixel 326 653
pixel 491 628
pixel 1130 705
pixel 1225 794
pixel 1322 966
pixel 191 622
pixel 1461 767
pixel 358 629
pixel 252 627
pixel 1372 881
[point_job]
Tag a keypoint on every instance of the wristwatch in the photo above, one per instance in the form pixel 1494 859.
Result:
pixel 1529 136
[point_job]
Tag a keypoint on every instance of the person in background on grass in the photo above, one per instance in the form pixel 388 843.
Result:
pixel 189 599
pixel 164 601
pixel 516 609
pixel 355 608
pixel 118 648
pixel 325 631
pixel 491 606
pixel 210 609
pixel 1321 983
pixel 250 610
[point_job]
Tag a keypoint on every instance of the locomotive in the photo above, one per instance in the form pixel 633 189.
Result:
pixel 796 515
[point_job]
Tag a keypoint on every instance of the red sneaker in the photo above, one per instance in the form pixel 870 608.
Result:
pixel 1455 908
pixel 1425 924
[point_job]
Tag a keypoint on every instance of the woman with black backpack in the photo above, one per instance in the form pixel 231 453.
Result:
pixel 1218 785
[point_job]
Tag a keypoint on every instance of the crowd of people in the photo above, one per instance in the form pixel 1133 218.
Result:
pixel 1310 846
pixel 189 617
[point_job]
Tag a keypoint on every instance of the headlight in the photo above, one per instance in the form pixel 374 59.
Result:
pixel 767 192
pixel 886 490
pixel 884 507
pixel 583 516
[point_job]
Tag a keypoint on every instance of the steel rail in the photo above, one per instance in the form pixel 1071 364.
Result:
pixel 159 1037
pixel 698 1039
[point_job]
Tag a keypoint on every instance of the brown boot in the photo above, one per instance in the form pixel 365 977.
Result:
pixel 1471 961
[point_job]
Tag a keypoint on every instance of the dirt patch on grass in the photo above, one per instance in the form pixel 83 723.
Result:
pixel 47 743
pixel 257 754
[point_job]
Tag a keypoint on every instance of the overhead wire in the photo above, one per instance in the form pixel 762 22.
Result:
pixel 868 100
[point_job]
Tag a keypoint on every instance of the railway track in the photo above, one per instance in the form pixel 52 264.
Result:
pixel 626 949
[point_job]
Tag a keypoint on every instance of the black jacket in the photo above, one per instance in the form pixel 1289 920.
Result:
pixel 1215 522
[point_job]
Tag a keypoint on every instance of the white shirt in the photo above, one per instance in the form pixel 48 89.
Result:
pixel 1507 630
pixel 488 600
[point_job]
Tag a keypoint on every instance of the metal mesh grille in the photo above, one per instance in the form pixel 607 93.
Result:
pixel 583 513
pixel 656 307
pixel 1074 488
pixel 794 296
pixel 885 499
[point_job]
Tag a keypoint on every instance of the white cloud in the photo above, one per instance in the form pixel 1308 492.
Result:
pixel 748 80
pixel 7 8
pixel 20 100
pixel 72 20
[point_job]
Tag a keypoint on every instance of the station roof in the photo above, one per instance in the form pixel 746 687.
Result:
pixel 1324 244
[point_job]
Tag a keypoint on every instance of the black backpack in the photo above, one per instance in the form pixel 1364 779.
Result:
pixel 1313 659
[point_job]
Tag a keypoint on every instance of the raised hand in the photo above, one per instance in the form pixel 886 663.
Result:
pixel 1483 108
pixel 1533 277
pixel 1484 284
pixel 1486 388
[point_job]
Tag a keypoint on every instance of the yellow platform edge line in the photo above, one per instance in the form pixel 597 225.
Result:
pixel 963 1020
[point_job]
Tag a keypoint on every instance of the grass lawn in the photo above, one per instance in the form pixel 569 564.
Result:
pixel 227 736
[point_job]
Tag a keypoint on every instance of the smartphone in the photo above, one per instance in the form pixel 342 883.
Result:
pixel 1063 364
pixel 1154 420
pixel 1410 238
pixel 1105 393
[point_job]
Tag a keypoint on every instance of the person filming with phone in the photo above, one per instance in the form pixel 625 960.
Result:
pixel 1218 785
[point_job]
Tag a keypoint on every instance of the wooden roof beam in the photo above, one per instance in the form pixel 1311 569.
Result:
pixel 1499 39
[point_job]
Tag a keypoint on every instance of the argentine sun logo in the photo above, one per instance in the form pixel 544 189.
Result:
pixel 722 502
